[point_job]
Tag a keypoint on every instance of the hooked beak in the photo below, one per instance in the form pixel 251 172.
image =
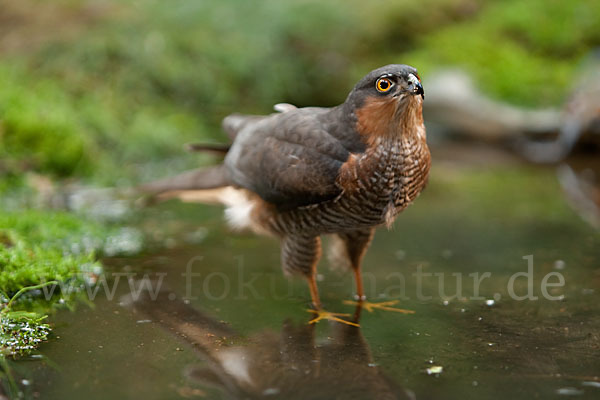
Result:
pixel 415 86
pixel 418 89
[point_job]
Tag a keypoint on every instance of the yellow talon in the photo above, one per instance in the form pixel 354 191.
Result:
pixel 322 314
pixel 385 305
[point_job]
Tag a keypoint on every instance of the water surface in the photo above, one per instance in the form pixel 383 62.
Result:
pixel 238 329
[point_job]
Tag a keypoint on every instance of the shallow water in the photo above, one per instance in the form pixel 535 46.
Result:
pixel 238 329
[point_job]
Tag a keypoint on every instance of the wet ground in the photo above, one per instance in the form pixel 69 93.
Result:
pixel 225 323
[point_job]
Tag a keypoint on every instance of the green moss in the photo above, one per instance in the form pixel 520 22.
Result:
pixel 39 247
pixel 44 245
pixel 21 333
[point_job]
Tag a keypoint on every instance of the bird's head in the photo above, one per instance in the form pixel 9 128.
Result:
pixel 395 81
pixel 387 100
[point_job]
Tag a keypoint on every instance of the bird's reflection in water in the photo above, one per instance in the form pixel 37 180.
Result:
pixel 289 364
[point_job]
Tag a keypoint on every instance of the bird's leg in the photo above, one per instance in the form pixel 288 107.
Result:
pixel 357 312
pixel 321 314
pixel 300 255
pixel 361 299
pixel 314 292
pixel 360 291
pixel 356 244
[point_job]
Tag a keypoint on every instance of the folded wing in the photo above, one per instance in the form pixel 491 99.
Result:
pixel 288 159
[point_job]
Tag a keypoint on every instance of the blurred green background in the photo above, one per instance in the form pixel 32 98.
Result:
pixel 105 93
pixel 109 91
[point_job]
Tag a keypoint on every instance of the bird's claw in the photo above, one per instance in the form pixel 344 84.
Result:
pixel 322 314
pixel 384 305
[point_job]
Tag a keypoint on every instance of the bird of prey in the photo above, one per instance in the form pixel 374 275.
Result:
pixel 306 172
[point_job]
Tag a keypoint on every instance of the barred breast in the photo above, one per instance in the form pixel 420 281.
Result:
pixel 386 179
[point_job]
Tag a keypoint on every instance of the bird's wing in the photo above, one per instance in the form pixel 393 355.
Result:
pixel 288 159
pixel 234 123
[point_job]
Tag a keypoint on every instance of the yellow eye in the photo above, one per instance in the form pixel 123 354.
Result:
pixel 383 85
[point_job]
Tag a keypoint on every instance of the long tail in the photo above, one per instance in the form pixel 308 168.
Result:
pixel 203 185
pixel 217 148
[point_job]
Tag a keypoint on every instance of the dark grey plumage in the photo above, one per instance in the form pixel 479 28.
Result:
pixel 344 170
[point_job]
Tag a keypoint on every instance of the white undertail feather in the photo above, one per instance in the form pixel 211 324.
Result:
pixel 239 208
pixel 238 205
